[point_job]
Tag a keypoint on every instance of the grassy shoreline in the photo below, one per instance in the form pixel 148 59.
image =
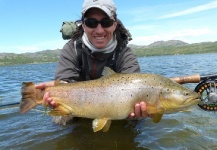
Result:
pixel 159 48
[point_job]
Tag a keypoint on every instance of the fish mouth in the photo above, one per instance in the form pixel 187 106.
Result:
pixel 183 106
pixel 187 104
pixel 191 101
pixel 197 100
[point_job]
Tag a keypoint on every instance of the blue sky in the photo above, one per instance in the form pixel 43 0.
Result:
pixel 33 25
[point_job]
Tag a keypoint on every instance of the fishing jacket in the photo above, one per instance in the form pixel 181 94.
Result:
pixel 77 63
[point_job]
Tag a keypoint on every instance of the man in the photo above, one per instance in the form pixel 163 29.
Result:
pixel 100 41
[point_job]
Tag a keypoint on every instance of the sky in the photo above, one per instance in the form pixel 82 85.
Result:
pixel 34 25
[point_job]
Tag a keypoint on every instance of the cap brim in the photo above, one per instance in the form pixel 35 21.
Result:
pixel 103 8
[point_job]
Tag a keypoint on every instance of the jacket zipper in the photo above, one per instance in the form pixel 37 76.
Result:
pixel 94 69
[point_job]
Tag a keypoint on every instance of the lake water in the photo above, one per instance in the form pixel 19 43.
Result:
pixel 195 129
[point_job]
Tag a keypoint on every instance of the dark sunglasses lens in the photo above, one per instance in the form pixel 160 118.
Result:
pixel 105 23
pixel 91 23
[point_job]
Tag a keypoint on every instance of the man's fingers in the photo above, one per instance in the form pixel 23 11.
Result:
pixel 50 83
pixel 52 103
pixel 44 84
pixel 45 98
pixel 131 116
pixel 137 111
pixel 40 86
pixel 143 109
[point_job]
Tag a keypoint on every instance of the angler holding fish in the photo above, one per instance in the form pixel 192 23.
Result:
pixel 100 43
pixel 101 40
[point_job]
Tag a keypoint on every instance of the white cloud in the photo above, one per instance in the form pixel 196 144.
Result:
pixel 141 27
pixel 186 35
pixel 193 10
pixel 189 33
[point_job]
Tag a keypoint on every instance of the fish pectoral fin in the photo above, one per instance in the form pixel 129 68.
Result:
pixel 106 126
pixel 101 124
pixel 156 117
pixel 61 110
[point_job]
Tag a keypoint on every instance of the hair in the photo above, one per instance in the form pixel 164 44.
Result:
pixel 122 34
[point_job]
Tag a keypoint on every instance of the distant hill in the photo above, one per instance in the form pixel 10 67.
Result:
pixel 168 43
pixel 27 58
pixel 161 44
pixel 172 47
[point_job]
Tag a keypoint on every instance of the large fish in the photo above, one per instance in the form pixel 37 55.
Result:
pixel 112 97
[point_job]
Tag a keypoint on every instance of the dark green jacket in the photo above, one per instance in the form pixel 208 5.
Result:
pixel 76 63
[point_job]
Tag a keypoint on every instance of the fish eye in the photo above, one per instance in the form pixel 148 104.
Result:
pixel 186 93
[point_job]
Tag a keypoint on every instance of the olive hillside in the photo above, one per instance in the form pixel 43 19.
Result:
pixel 174 47
pixel 44 56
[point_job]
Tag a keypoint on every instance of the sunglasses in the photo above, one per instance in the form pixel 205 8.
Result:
pixel 93 23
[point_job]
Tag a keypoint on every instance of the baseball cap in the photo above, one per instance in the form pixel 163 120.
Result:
pixel 107 6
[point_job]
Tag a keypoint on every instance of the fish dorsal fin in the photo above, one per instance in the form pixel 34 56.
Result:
pixel 156 117
pixel 56 82
pixel 101 124
pixel 107 71
pixel 61 110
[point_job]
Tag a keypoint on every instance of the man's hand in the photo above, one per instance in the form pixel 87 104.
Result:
pixel 47 100
pixel 139 111
pixel 44 85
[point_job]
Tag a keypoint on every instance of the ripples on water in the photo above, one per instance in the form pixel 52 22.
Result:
pixel 195 129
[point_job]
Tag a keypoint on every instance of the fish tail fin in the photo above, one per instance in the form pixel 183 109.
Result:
pixel 31 97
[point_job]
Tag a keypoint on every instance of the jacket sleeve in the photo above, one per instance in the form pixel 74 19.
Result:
pixel 68 66
pixel 127 62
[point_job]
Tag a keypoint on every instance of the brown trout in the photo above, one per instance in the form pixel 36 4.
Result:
pixel 112 97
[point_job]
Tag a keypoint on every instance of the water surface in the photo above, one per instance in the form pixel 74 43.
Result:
pixel 195 129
